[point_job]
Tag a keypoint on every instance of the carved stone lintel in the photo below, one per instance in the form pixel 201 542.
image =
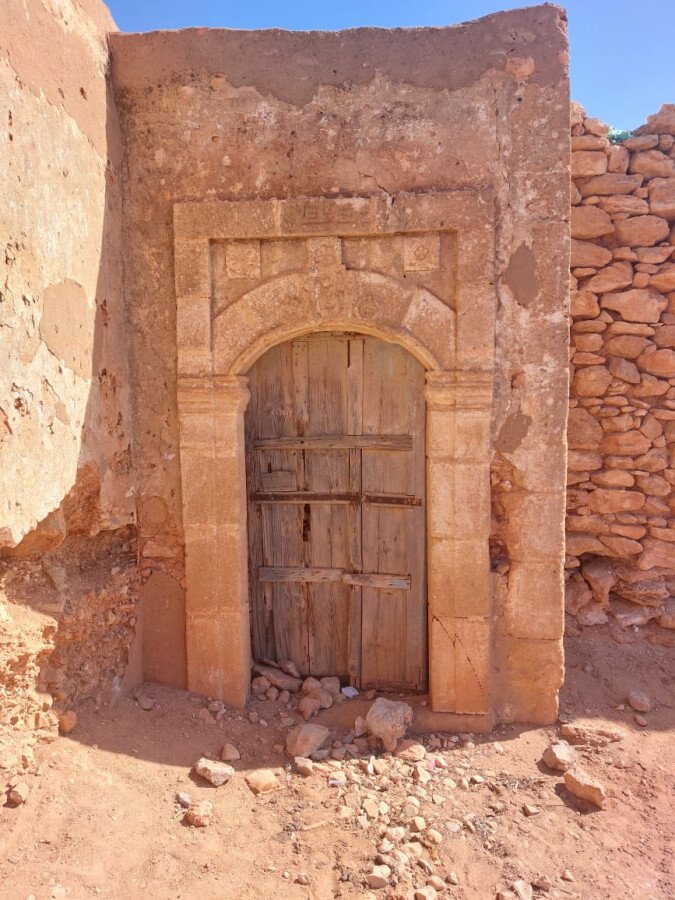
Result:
pixel 213 393
pixel 459 390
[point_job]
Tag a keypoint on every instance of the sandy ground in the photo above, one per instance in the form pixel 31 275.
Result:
pixel 102 818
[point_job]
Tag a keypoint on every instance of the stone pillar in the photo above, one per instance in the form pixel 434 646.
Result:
pixel 213 469
pixel 458 528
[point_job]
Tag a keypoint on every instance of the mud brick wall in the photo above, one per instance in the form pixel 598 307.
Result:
pixel 621 432
pixel 66 485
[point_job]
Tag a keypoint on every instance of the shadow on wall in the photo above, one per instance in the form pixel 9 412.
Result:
pixel 71 584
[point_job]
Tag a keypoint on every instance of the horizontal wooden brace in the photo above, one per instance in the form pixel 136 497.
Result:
pixel 406 500
pixel 338 442
pixel 359 579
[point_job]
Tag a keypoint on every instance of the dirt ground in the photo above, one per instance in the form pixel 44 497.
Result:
pixel 102 818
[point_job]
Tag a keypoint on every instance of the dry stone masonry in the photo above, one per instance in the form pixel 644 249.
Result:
pixel 621 429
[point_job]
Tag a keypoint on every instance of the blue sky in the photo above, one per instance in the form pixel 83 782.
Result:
pixel 622 51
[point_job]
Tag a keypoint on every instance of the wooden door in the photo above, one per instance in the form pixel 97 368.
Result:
pixel 335 468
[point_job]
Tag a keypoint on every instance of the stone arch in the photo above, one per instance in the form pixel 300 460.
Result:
pixel 333 300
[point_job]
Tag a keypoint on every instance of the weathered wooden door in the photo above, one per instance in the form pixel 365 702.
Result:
pixel 335 469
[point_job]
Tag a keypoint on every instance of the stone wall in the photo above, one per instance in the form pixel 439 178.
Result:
pixel 65 463
pixel 621 434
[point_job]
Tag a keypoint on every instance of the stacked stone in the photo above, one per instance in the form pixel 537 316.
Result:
pixel 621 468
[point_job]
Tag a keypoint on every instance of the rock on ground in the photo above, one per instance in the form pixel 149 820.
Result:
pixel 582 785
pixel 303 740
pixel 262 781
pixel 639 701
pixel 389 720
pixel 229 753
pixel 218 773
pixel 560 756
pixel 199 813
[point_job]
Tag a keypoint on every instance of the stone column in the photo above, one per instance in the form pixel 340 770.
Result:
pixel 213 469
pixel 458 527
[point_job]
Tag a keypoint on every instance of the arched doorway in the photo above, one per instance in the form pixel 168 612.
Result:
pixel 335 465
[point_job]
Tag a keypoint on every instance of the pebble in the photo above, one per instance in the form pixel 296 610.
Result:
pixel 67 721
pixel 522 889
pixel 379 877
pixel 303 766
pixel 303 877
pixel 567 875
pixel 229 753
pixel 639 701
pixel 453 878
pixel 18 794
pixel 146 703
pixel 425 893
pixel 640 720
pixel 199 813
pixel 530 810
pixel 183 799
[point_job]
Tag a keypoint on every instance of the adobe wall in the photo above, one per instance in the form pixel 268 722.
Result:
pixel 620 524
pixel 66 502
pixel 217 115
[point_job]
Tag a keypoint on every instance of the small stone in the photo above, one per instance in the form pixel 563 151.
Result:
pixel 199 813
pixel 304 766
pixel 567 875
pixel 253 717
pixel 183 799
pixel 272 693
pixel 359 726
pixel 522 889
pixel 262 781
pixel 370 808
pixel 543 883
pixel 639 701
pixel 303 878
pixel 18 794
pixel 580 784
pixel 229 753
pixel 560 756
pixel 303 740
pixel 453 878
pixel 146 703
pixel 530 810
pixel 425 893
pixel 67 721
pixel 411 751
pixel 418 824
pixel 260 685
pixel 640 720
pixel 436 882
pixel 218 773
pixel 379 877
pixel 308 707
pixel 289 667
pixel 435 836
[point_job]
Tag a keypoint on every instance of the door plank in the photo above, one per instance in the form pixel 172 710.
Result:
pixel 318 575
pixel 291 496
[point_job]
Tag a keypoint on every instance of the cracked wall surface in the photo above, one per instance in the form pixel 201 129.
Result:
pixel 65 462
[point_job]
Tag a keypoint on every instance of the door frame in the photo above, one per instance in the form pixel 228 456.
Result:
pixel 453 340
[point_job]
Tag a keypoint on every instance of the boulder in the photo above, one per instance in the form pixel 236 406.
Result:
pixel 389 720
pixel 579 783
pixel 303 740
pixel 662 122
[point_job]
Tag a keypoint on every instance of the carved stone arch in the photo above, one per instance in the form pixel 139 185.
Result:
pixel 415 270
pixel 333 300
